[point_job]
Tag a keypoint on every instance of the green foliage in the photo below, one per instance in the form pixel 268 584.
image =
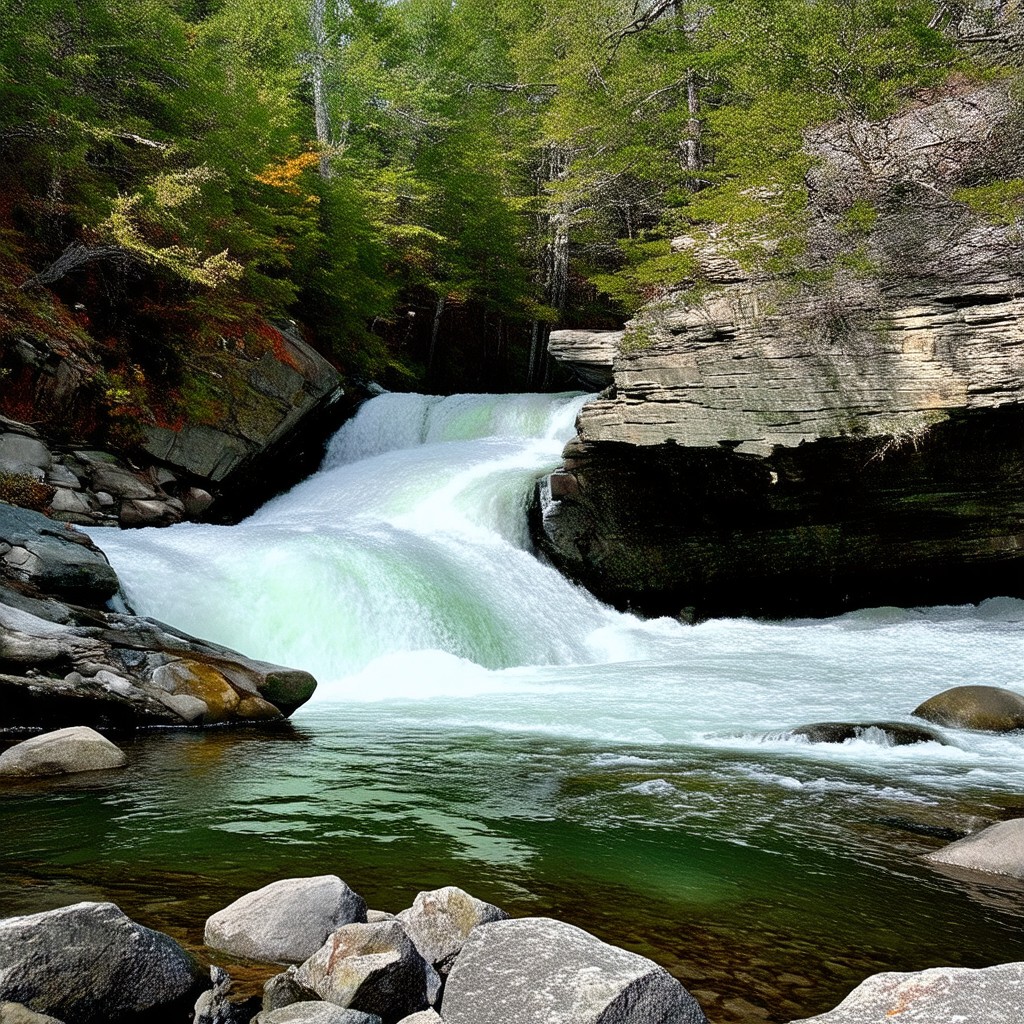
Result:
pixel 999 201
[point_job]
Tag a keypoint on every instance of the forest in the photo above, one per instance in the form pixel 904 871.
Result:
pixel 425 186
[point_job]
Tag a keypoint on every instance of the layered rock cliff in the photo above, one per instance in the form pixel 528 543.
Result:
pixel 772 446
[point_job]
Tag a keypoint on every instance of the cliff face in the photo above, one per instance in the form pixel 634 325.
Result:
pixel 776 448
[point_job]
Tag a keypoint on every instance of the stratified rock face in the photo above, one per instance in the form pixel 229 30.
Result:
pixel 439 922
pixel 997 850
pixel 286 921
pixel 943 995
pixel 985 708
pixel 777 450
pixel 64 752
pixel 540 971
pixel 90 964
pixel 589 354
pixel 370 967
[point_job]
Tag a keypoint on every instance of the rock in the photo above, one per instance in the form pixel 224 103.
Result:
pixel 120 482
pixel 439 922
pixel 943 995
pixel 589 354
pixel 15 1013
pixel 893 734
pixel 19 453
pixel 54 558
pixel 215 1007
pixel 78 749
pixel 286 921
pixel 315 1013
pixel 369 967
pixel 196 501
pixel 67 500
pixel 137 514
pixel 283 990
pixel 423 1017
pixel 61 476
pixel 998 850
pixel 777 452
pixel 985 708
pixel 373 916
pixel 90 964
pixel 540 971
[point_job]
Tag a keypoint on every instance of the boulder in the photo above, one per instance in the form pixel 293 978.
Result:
pixel 373 916
pixel 215 1006
pixel 19 453
pixel 943 995
pixel 53 557
pixel 315 1013
pixel 286 921
pixel 15 1013
pixel 895 734
pixel 283 990
pixel 64 752
pixel 998 850
pixel 369 967
pixel 90 964
pixel 439 922
pixel 540 971
pixel 423 1017
pixel 984 708
pixel 137 513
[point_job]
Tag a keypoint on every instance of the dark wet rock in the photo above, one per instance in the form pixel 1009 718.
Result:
pixel 998 849
pixel 15 1013
pixel 64 752
pixel 540 971
pixel 943 995
pixel 440 921
pixel 921 828
pixel 896 734
pixel 316 1013
pixel 52 557
pixel 984 708
pixel 369 967
pixel 283 990
pixel 90 964
pixel 216 1007
pixel 286 921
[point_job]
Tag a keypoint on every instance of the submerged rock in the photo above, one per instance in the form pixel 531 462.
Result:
pixel 985 708
pixel 943 995
pixel 998 849
pixel 540 971
pixel 91 964
pixel 78 749
pixel 439 922
pixel 369 967
pixel 286 921
pixel 896 734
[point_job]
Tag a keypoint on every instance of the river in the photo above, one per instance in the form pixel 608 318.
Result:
pixel 481 721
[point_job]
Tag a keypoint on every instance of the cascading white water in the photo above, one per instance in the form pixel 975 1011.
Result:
pixel 402 571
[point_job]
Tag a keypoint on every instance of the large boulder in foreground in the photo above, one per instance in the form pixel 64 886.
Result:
pixel 315 1013
pixel 286 921
pixel 541 971
pixel 984 708
pixel 91 964
pixel 370 967
pixel 439 922
pixel 943 995
pixel 998 850
pixel 64 752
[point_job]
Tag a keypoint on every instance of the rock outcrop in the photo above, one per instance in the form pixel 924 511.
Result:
pixel 774 448
pixel 996 850
pixel 80 664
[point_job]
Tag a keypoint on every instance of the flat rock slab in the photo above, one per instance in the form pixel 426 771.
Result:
pixel 286 921
pixel 316 1013
pixel 63 752
pixel 91 964
pixel 983 708
pixel 440 921
pixel 943 995
pixel 541 971
pixel 998 850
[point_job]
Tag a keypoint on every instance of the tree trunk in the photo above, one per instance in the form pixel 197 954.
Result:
pixel 434 331
pixel 693 127
pixel 75 257
pixel 318 74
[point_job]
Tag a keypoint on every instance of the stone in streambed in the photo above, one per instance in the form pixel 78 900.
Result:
pixel 15 1013
pixel 63 752
pixel 997 850
pixel 369 967
pixel 983 708
pixel 91 964
pixel 897 734
pixel 286 921
pixel 316 1013
pixel 439 922
pixel 943 995
pixel 540 971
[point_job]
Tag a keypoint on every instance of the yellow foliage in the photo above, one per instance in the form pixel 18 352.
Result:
pixel 285 175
